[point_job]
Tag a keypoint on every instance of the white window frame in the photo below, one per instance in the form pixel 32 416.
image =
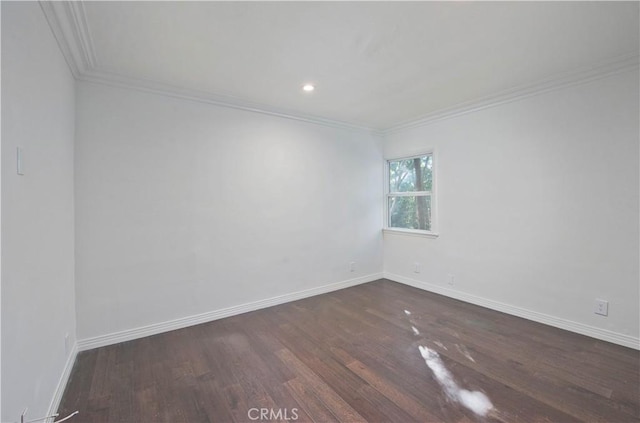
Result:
pixel 434 210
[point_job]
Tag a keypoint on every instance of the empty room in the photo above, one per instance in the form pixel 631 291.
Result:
pixel 320 212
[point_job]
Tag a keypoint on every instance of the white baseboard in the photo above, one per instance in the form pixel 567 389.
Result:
pixel 130 334
pixel 62 383
pixel 153 329
pixel 581 328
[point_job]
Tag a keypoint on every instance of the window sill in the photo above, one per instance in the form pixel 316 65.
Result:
pixel 410 232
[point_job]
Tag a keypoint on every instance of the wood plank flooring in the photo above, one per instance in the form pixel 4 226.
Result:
pixel 352 356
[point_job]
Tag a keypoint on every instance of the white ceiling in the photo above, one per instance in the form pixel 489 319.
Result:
pixel 375 64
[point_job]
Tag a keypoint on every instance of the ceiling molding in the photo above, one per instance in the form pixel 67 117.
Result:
pixel 54 12
pixel 555 82
pixel 154 87
pixel 579 76
pixel 69 25
pixel 82 33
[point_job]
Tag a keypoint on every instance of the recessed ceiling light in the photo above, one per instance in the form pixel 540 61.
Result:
pixel 308 88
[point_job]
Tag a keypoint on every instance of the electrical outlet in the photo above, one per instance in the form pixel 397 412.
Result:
pixel 352 266
pixel 416 267
pixel 450 279
pixel 601 307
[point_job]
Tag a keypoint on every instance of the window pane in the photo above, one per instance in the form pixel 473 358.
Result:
pixel 412 212
pixel 411 174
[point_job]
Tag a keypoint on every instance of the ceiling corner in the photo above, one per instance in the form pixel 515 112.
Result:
pixel 68 23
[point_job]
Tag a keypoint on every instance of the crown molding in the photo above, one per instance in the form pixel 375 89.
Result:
pixel 69 25
pixel 555 82
pixel 160 88
pixel 82 33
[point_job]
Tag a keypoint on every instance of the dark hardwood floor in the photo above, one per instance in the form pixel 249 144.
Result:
pixel 352 355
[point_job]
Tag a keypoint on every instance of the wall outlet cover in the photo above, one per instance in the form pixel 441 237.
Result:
pixel 602 307
pixel 450 279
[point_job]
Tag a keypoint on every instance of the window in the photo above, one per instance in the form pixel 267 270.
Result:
pixel 410 196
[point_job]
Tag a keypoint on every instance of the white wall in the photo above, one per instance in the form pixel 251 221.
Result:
pixel 0 236
pixel 37 212
pixel 183 207
pixel 538 205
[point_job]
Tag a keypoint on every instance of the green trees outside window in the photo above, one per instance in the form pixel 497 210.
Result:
pixel 410 193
